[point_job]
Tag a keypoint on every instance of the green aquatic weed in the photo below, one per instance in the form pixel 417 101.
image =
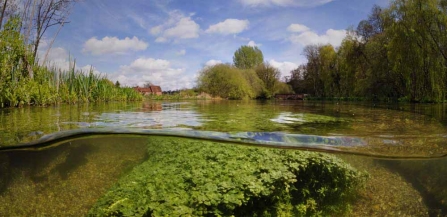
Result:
pixel 185 177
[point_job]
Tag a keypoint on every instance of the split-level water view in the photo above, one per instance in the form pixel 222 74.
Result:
pixel 223 158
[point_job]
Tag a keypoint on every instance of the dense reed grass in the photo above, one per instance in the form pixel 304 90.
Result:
pixel 24 82
pixel 51 86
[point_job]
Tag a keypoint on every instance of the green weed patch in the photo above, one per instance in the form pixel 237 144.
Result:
pixel 184 177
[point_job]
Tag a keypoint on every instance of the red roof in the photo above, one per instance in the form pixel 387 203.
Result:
pixel 150 89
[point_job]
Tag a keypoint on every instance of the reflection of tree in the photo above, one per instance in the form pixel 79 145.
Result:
pixel 26 124
pixel 151 106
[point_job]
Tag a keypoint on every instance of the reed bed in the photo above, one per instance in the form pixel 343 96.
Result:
pixel 23 81
pixel 52 86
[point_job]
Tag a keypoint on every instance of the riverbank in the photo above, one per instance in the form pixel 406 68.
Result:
pixel 50 86
pixel 26 81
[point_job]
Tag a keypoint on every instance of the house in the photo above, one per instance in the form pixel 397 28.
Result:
pixel 156 90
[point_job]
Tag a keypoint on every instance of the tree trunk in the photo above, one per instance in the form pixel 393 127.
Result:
pixel 3 13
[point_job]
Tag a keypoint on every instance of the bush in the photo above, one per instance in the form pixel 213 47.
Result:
pixel 184 177
pixel 225 81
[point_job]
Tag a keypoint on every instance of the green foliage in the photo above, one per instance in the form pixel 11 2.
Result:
pixel 225 81
pixel 400 55
pixel 270 78
pixel 254 81
pixel 196 178
pixel 247 57
pixel 47 86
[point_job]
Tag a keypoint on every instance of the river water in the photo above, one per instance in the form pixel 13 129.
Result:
pixel 62 160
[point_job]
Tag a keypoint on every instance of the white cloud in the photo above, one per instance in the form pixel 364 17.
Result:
pixel 253 44
pixel 90 68
pixel 212 62
pixel 284 3
pixel 283 67
pixel 334 37
pixel 161 40
pixel 157 71
pixel 176 27
pixel 57 57
pixel 185 28
pixel 297 28
pixel 156 30
pixel 229 26
pixel 110 45
pixel 181 52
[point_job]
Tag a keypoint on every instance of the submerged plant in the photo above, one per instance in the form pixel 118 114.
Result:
pixel 201 178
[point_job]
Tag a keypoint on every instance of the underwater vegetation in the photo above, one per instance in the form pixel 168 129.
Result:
pixel 202 178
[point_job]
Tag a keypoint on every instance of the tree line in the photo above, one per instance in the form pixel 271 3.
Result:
pixel 398 53
pixel 249 77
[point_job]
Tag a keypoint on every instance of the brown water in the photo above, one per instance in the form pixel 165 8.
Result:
pixel 401 147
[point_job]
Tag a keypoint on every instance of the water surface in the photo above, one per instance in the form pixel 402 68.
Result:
pixel 60 160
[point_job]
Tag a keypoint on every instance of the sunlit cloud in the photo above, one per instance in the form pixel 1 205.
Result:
pixel 113 45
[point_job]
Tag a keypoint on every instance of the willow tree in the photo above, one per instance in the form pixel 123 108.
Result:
pixel 417 48
pixel 247 57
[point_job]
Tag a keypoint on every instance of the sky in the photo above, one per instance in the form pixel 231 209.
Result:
pixel 168 42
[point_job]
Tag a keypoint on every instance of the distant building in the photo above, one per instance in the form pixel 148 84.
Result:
pixel 156 90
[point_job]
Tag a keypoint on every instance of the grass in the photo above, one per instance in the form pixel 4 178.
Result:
pixel 24 82
pixel 52 86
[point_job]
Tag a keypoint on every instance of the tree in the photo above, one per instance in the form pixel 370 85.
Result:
pixel 225 81
pixel 296 79
pixel 247 57
pixel 43 14
pixel 270 77
pixel 313 81
pixel 254 81
pixel 117 84
pixel 7 9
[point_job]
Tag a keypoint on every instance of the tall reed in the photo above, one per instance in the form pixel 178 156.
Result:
pixel 48 85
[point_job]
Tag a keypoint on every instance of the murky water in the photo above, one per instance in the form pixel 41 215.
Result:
pixel 100 159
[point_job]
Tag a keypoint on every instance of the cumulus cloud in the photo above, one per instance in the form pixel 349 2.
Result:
pixel 161 40
pixel 253 44
pixel 181 52
pixel 57 57
pixel 210 63
pixel 297 28
pixel 156 30
pixel 110 45
pixel 157 71
pixel 284 67
pixel 176 27
pixel 89 68
pixel 229 26
pixel 185 28
pixel 334 37
pixel 284 3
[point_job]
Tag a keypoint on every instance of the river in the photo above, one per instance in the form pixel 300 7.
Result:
pixel 66 159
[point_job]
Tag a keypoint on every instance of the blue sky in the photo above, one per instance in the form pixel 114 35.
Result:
pixel 168 42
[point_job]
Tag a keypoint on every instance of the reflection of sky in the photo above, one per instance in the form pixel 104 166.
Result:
pixel 168 116
pixel 288 118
